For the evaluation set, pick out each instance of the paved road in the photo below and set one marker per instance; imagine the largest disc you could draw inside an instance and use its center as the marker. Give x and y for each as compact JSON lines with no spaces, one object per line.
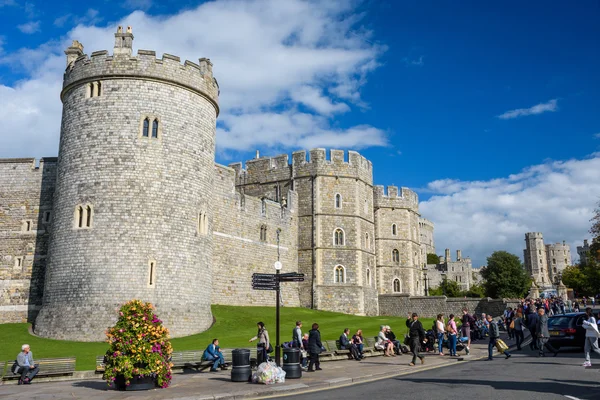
{"x":523,"y":376}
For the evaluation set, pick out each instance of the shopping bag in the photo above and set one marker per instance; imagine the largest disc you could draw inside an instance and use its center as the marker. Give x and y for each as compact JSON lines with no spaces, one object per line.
{"x":501,"y":346}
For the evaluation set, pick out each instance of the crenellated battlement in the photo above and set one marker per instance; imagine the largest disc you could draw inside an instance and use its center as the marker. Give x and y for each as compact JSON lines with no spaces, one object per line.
{"x":390,"y":197}
{"x":317,"y":162}
{"x":424,"y":222}
{"x":533,"y":235}
{"x":81,"y":69}
{"x":27,"y":163}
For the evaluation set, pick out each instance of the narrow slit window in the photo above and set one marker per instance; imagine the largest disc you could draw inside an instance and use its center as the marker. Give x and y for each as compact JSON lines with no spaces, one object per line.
{"x":394,"y":229}
{"x":27,"y":226}
{"x":395,"y":256}
{"x":88,"y":217}
{"x":151,"y":273}
{"x":155,"y":129}
{"x":338,"y":201}
{"x":146,"y":127}
{"x":396,"y":285}
{"x":80,"y":217}
{"x":99,"y":88}
{"x":18,"y":262}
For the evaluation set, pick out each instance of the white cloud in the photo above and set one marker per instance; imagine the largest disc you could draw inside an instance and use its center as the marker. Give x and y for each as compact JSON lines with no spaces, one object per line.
{"x":479,"y":217}
{"x":30,"y":27}
{"x":597,"y":135}
{"x":550,"y":106}
{"x":271,"y":58}
{"x":7,"y":3}
{"x":91,"y":17}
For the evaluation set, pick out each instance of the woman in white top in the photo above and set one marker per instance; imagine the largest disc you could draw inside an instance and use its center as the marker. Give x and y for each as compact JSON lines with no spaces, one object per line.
{"x":439,"y":324}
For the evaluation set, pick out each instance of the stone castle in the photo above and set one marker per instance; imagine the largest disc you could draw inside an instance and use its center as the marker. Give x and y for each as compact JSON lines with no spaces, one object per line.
{"x":136,"y":207}
{"x":544,"y":262}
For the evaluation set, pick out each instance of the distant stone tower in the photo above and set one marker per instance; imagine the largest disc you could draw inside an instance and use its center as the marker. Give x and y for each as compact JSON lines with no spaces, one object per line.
{"x":132,"y":201}
{"x":398,"y":241}
{"x":535,"y":259}
{"x":559,"y":258}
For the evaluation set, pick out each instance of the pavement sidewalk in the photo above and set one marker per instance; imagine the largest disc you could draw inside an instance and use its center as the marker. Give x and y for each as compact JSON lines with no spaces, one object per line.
{"x":217,"y":385}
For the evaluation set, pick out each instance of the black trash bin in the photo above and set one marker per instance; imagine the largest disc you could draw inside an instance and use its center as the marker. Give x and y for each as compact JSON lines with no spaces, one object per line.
{"x":291,"y":363}
{"x":240,"y":365}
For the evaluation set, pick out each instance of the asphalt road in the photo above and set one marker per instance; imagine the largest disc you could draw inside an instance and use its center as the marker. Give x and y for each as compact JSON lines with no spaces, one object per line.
{"x":523,"y":376}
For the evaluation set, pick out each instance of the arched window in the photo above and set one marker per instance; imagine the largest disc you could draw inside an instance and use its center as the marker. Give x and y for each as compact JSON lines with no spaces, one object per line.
{"x":396,"y":285}
{"x":99,"y":88}
{"x":88,"y":219}
{"x":146,"y":127}
{"x":395,"y":256}
{"x":368,"y":277}
{"x":394,"y":229}
{"x":338,"y":200}
{"x":79,"y":217}
{"x":155,"y":128}
{"x":263,"y":233}
{"x":338,"y":237}
{"x":263,"y":208}
{"x":339,"y":274}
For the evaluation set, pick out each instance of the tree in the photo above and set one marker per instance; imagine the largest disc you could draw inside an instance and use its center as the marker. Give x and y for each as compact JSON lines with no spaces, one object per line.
{"x":504,"y":276}
{"x":433,"y":258}
{"x":447,"y":288}
{"x":575,"y":278}
{"x":476,"y":291}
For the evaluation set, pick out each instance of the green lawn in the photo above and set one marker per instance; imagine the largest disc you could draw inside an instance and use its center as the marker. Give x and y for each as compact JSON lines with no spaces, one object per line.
{"x":233,"y":327}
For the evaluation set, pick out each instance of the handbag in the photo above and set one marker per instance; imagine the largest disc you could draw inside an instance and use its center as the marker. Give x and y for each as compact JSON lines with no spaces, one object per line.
{"x":270,"y":349}
{"x":512,"y":325}
{"x":15,"y":368}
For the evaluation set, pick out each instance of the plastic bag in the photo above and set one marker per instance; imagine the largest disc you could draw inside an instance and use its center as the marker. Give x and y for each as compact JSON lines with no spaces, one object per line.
{"x":268,"y":373}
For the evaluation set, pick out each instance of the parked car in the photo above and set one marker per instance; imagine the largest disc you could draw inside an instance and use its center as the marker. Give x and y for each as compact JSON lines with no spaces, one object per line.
{"x":566,"y":330}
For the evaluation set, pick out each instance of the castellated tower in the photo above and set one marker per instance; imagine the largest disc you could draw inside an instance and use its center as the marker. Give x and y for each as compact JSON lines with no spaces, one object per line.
{"x":132,"y":201}
{"x":397,"y":235}
{"x":535,"y":258}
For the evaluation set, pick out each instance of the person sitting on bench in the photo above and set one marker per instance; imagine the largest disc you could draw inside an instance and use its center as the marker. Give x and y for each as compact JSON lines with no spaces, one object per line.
{"x":345,"y":344}
{"x":213,"y":353}
{"x":25,"y":366}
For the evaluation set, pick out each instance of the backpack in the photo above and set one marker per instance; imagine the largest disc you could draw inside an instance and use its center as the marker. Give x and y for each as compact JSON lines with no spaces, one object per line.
{"x":434,"y":328}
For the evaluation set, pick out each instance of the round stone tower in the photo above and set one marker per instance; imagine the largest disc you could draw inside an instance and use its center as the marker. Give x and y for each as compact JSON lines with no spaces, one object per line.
{"x":132,"y":209}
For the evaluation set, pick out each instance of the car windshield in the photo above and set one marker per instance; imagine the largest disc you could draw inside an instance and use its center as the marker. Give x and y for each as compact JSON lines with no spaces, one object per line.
{"x":558,"y":321}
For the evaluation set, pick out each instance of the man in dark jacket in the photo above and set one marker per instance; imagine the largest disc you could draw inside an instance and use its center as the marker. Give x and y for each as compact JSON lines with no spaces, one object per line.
{"x":345,"y":344}
{"x":542,"y":333}
{"x":532,"y":319}
{"x":494,"y":336}
{"x":416,"y":334}
{"x":314,"y":348}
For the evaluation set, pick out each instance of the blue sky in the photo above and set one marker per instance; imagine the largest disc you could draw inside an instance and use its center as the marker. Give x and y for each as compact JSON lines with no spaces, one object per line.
{"x":488,"y":110}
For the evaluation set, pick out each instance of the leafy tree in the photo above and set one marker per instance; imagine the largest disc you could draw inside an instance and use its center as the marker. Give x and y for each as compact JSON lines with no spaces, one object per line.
{"x":433,"y":258}
{"x":595,"y":229}
{"x":476,"y":291}
{"x":447,"y":288}
{"x":504,"y":276}
{"x":575,"y":278}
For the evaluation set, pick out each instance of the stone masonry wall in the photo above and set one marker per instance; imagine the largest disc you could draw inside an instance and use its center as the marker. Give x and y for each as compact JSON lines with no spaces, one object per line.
{"x":239,"y":250}
{"x":25,"y":197}
{"x":429,"y":307}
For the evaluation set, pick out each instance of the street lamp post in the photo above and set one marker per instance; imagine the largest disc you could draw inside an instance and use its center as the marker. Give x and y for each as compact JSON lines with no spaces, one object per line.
{"x":425,"y":279}
{"x":277,"y":266}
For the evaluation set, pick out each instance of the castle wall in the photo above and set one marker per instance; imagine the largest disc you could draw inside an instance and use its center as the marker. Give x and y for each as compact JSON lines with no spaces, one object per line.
{"x":25,"y":196}
{"x":535,"y":258}
{"x":239,"y":250}
{"x":146,"y":195}
{"x":400,"y":305}
{"x":426,"y":229}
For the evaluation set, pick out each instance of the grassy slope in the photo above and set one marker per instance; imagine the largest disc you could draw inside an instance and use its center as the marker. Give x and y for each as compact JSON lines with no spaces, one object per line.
{"x":233,"y":327}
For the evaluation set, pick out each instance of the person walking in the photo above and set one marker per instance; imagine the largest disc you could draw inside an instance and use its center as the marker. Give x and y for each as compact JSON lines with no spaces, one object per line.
{"x":591,"y":337}
{"x":315,"y":347}
{"x":494,"y":336}
{"x":518,"y":329}
{"x":264,"y":345}
{"x":439,"y":325}
{"x":532,"y":319}
{"x":25,"y":366}
{"x":416,"y":333}
{"x":467,"y":321}
{"x":452,"y":334}
{"x":543,"y":334}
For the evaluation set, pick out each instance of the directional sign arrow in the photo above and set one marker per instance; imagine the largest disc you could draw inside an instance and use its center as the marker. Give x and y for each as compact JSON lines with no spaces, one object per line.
{"x":292,"y":279}
{"x":291,"y":274}
{"x":264,"y":288}
{"x":263,"y":275}
{"x":260,"y":279}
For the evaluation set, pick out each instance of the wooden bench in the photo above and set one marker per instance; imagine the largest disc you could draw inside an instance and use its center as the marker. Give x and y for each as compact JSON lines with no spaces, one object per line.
{"x":48,"y":367}
{"x":189,"y":359}
{"x":371,"y":345}
{"x":100,"y":366}
{"x":335,"y":344}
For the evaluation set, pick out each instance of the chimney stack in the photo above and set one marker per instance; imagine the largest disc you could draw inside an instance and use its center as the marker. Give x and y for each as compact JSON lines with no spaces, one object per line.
{"x":458,"y":255}
{"x":447,"y":256}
